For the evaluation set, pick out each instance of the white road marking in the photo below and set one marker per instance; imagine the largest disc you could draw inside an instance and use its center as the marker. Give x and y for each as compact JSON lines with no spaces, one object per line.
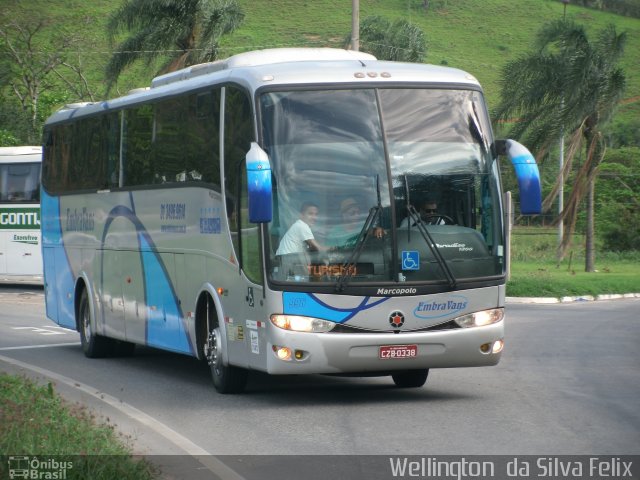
{"x":42,"y":331}
{"x":26,"y":347}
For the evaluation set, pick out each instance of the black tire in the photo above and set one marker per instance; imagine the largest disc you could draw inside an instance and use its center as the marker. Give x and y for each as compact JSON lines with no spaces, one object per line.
{"x":93,"y":345}
{"x":226,"y":378}
{"x":410,"y":378}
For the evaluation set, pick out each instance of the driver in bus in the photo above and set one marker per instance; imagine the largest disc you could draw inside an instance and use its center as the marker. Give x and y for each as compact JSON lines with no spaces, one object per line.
{"x":429,"y":215}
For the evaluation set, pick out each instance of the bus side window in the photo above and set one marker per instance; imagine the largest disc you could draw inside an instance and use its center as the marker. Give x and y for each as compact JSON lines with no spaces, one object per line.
{"x":111,"y":130}
{"x":56,"y":158}
{"x":238,"y":135}
{"x":169,"y":141}
{"x":138,"y":132}
{"x":202,"y":150}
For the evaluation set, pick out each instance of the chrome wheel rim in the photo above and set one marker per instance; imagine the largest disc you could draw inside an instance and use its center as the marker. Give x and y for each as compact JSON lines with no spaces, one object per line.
{"x":86,"y":324}
{"x":213,"y":352}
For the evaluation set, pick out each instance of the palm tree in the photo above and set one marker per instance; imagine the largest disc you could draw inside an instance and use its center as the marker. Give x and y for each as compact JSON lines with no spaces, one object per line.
{"x":187,"y":32}
{"x":398,"y":41}
{"x":573,"y":85}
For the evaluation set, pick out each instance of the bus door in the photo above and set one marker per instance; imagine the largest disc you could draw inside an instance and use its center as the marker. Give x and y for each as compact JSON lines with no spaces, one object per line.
{"x":111,"y":293}
{"x":133,"y":298}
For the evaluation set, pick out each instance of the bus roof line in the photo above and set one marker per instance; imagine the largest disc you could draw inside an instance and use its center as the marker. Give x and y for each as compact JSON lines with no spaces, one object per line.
{"x":262,"y":57}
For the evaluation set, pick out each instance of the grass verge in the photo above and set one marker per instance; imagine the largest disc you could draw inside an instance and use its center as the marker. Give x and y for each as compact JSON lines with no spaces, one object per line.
{"x":535,"y":272}
{"x":535,"y":279}
{"x":66,"y":439}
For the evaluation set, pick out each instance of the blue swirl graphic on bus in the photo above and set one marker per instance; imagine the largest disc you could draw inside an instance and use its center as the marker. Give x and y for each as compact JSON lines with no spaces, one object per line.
{"x":165,"y":325}
{"x":307,"y":304}
{"x":58,"y":277}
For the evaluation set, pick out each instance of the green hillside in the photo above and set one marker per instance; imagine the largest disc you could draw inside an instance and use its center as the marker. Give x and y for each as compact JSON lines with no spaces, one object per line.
{"x":479,"y":36}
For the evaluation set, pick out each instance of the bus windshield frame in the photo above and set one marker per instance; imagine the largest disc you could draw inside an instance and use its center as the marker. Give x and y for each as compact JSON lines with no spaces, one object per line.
{"x":364,"y":158}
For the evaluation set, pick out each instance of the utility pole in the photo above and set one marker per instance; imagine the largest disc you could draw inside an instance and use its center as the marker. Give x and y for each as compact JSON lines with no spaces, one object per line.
{"x":561,"y":165}
{"x":561,"y":192}
{"x":355,"y":25}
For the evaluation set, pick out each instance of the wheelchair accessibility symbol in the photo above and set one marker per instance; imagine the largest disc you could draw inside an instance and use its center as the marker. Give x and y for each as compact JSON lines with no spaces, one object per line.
{"x":410,"y":260}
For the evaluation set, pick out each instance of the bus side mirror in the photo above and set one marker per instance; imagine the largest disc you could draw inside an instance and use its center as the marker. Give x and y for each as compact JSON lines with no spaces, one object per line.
{"x":527,"y":174}
{"x":259,"y":184}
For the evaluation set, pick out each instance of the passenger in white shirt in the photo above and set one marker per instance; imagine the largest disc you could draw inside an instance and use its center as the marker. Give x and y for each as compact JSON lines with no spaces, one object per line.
{"x":299,"y":238}
{"x":294,"y":245}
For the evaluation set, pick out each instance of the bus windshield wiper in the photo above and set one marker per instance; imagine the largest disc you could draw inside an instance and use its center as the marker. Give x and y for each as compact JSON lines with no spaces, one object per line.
{"x":349,"y":266}
{"x":414,"y":219}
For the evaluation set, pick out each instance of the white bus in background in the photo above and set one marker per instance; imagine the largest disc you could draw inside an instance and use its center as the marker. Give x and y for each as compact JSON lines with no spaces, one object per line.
{"x":163,"y":212}
{"x":20,"y":248}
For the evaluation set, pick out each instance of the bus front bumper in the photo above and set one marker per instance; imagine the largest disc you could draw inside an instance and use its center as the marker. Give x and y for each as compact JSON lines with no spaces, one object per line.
{"x":310,"y":353}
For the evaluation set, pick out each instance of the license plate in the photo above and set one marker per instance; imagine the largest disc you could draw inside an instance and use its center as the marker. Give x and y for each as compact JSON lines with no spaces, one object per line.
{"x":391,"y":352}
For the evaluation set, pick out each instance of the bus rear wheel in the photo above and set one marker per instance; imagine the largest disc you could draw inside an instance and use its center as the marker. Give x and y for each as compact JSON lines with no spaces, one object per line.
{"x":93,"y":345}
{"x":410,"y":378}
{"x":226,"y":378}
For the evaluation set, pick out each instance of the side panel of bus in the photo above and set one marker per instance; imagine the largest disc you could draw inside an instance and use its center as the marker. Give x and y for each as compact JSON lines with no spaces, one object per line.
{"x":20,"y":240}
{"x":146,"y":256}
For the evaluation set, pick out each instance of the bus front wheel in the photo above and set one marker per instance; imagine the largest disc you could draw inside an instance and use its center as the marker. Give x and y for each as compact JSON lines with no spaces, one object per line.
{"x":410,"y":378}
{"x":226,"y":378}
{"x":93,"y":345}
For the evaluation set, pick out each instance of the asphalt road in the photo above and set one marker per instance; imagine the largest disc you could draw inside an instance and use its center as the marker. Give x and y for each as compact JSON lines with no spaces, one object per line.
{"x":568,"y":384}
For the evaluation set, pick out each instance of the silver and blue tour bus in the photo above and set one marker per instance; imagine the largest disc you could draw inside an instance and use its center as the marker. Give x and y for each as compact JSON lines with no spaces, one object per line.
{"x":265,"y":212}
{"x":20,"y":248}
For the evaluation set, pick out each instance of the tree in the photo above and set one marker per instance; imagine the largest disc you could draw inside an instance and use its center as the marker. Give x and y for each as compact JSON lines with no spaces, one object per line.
{"x":571,"y":85}
{"x":398,"y":41}
{"x":33,"y":63}
{"x":618,"y":209}
{"x":186,"y":32}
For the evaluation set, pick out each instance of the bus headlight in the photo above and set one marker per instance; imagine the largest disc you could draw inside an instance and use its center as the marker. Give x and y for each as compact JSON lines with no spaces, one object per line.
{"x":479,"y":319}
{"x":297,"y":323}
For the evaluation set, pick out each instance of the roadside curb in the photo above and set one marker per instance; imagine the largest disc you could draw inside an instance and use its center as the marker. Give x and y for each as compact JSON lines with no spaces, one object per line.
{"x":581,"y":298}
{"x":173,"y":454}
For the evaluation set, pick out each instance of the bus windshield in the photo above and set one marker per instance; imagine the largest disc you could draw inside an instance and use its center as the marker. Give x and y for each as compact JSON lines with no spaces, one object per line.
{"x":382,"y":185}
{"x":20,"y":182}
